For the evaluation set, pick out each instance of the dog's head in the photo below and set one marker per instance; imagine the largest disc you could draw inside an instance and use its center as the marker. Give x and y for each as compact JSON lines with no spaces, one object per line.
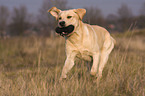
{"x":68,"y":20}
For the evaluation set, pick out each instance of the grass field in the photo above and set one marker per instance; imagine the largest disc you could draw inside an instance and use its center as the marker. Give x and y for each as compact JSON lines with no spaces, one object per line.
{"x":31,"y":66}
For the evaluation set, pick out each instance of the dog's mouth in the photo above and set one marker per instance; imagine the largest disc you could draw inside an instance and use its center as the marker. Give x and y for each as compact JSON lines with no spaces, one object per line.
{"x":65,"y":31}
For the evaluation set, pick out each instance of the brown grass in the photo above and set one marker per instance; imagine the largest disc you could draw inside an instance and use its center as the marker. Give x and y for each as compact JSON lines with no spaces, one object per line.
{"x":31,"y":66}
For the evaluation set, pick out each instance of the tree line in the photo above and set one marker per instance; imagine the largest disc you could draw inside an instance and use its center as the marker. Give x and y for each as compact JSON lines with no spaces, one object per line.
{"x":19,"y":22}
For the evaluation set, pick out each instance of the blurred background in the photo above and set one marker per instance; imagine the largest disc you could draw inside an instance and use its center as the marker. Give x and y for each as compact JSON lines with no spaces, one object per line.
{"x":32,"y":55}
{"x":30,"y":17}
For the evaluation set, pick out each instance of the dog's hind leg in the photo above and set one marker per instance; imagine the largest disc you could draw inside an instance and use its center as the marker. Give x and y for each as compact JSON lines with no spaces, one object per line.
{"x":104,"y":56}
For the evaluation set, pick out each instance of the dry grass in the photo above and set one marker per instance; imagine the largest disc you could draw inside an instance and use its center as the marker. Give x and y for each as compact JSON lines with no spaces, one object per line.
{"x":31,"y":66}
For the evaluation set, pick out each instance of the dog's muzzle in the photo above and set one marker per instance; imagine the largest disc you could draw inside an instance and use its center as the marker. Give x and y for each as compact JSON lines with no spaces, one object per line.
{"x":62,"y":23}
{"x":65,"y":31}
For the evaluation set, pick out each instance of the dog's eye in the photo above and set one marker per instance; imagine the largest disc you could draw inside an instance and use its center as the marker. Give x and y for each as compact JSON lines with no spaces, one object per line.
{"x":59,"y":18}
{"x":69,"y":17}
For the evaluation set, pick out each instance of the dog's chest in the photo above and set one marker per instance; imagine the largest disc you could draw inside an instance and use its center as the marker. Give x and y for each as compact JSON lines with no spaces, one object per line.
{"x":83,"y":50}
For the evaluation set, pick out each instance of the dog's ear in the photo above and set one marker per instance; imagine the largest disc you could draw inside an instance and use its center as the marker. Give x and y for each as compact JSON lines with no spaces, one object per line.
{"x":80,"y":12}
{"x":54,"y":12}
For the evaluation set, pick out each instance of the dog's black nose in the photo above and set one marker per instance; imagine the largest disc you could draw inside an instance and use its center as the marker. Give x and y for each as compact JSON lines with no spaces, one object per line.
{"x":62,"y":23}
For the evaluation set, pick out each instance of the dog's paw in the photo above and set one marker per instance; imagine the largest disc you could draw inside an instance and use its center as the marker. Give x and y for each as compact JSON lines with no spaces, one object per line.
{"x":93,"y":73}
{"x":61,"y":80}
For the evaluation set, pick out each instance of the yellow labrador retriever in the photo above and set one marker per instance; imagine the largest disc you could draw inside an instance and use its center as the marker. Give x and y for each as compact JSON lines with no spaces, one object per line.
{"x":89,"y":42}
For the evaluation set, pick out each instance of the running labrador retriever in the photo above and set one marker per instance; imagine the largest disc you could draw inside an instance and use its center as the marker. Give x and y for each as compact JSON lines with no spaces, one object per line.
{"x":89,"y":42}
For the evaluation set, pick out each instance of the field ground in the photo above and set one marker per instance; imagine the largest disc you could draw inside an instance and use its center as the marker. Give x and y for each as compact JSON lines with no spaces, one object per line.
{"x":31,"y":66}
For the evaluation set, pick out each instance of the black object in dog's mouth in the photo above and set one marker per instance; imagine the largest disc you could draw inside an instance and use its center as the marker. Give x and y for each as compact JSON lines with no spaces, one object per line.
{"x":65,"y":31}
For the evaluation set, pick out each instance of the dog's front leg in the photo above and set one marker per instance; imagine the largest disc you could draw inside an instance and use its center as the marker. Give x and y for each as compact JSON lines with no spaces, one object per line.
{"x":69,"y":63}
{"x":96,"y":58}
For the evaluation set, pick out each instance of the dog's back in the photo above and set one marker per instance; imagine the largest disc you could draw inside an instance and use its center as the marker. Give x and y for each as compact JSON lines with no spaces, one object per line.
{"x":100,"y":34}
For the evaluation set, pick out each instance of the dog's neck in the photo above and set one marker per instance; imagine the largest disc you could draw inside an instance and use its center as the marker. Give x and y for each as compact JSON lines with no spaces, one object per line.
{"x":77,"y":36}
